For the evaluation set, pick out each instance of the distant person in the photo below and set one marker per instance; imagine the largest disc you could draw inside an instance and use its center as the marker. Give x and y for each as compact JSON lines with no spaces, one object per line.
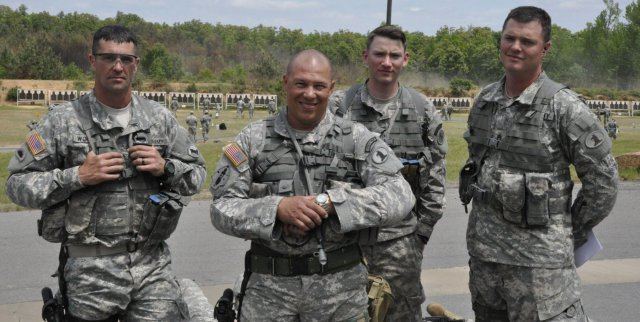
{"x":612,"y":129}
{"x":205,"y":122}
{"x":192,"y":123}
{"x":524,"y":132}
{"x":251,"y":107}
{"x":218,"y":107}
{"x":206,"y":103}
{"x":272,"y":106}
{"x":240,"y":109}
{"x":174,"y":106}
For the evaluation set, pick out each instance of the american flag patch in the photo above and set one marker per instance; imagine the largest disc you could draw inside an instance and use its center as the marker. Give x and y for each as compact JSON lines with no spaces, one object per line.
{"x":36,"y":144}
{"x":235,"y":154}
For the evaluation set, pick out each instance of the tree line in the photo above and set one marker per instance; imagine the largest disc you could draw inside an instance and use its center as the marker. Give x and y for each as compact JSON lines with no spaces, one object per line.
{"x":604,"y":57}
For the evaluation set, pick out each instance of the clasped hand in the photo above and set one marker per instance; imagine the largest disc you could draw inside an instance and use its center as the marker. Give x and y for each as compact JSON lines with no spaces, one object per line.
{"x":98,"y":168}
{"x":300,"y":214}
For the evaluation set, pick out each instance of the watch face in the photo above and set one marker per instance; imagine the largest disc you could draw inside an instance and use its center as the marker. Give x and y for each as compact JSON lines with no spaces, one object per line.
{"x":169,"y":167}
{"x":322,"y":199}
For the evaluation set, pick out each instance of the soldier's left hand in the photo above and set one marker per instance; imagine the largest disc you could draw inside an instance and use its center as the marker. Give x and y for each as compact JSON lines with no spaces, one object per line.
{"x":147,"y":159}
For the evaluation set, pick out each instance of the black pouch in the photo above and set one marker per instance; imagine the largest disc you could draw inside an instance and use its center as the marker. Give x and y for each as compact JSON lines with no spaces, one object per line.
{"x":161,"y":214}
{"x":51,"y":223}
{"x":467,"y":177}
{"x":537,"y":203}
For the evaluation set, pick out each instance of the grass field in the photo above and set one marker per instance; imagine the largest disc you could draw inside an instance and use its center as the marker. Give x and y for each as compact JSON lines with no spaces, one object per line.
{"x":13,"y":130}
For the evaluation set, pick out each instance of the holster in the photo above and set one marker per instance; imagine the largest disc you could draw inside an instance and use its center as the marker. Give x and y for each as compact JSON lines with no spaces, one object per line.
{"x":468,"y":176}
{"x":380,"y":297}
{"x":160,"y":219}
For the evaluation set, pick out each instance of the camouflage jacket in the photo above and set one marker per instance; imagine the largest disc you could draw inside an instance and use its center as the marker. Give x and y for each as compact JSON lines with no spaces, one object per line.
{"x":50,"y":176}
{"x":385,"y":198}
{"x":568,"y":134}
{"x":431,"y":176}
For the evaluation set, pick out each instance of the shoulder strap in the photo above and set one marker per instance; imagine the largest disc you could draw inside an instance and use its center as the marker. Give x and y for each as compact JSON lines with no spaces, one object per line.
{"x":546,"y":92}
{"x":86,"y":123}
{"x":348,"y":99}
{"x":418,"y":101}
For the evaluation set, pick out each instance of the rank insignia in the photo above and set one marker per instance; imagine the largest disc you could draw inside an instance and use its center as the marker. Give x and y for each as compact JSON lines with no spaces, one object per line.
{"x":36,"y":143}
{"x":237,"y":157}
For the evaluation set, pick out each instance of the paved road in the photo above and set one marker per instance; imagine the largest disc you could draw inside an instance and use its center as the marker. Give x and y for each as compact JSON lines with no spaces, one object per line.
{"x":611,"y":280}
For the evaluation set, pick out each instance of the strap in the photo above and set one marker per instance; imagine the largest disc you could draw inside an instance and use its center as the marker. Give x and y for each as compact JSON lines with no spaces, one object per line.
{"x":348,"y":99}
{"x":263,"y":260}
{"x":102,"y":250}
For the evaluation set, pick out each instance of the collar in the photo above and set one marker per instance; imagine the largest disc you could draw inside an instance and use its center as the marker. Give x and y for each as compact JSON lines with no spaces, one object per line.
{"x":384,"y":107}
{"x":314,"y":136}
{"x":496,"y":93}
{"x":140,"y":115}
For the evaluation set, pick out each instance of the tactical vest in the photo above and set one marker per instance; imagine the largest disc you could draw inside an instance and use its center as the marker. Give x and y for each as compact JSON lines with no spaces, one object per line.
{"x":522,"y":146}
{"x":112,"y":208}
{"x":405,"y":135}
{"x":277,"y":164}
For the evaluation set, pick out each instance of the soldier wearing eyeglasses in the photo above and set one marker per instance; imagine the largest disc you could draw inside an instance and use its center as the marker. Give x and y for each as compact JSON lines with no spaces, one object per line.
{"x":111,"y":171}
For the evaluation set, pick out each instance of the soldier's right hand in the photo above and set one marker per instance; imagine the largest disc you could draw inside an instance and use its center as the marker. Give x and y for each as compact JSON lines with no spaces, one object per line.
{"x":301,"y":212}
{"x":100,"y":168}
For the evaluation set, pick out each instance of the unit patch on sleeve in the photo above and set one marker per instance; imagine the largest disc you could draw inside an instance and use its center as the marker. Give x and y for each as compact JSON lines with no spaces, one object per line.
{"x":238,"y":158}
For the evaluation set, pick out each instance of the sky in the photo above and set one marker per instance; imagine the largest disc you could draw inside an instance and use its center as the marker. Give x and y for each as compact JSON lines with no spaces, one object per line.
{"x":361,"y":16}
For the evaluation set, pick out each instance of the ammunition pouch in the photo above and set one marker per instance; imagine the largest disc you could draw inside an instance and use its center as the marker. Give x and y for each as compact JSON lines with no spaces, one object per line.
{"x":380,"y":297}
{"x":410,"y":171}
{"x":160,"y":218}
{"x":51,"y":223}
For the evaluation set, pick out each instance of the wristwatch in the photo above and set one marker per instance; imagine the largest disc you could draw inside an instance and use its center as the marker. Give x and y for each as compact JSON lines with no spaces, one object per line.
{"x":169,"y":168}
{"x":323,"y":201}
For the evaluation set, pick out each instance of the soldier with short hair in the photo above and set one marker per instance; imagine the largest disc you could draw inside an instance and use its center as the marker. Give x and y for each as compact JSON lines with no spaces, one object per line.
{"x":306,"y":187}
{"x":524,"y":132}
{"x":105,"y":169}
{"x":408,"y":122}
{"x":192,"y":125}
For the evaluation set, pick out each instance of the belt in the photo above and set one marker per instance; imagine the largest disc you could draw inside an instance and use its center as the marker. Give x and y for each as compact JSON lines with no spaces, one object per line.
{"x":261,"y":260}
{"x":102,"y":250}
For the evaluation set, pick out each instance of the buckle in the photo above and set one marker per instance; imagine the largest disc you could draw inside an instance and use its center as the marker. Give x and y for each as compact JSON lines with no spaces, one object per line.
{"x":493,"y":142}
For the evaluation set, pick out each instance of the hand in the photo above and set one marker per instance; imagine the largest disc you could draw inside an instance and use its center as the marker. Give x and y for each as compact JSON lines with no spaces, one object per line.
{"x":100,"y":168}
{"x":301,"y":212}
{"x":147,"y":159}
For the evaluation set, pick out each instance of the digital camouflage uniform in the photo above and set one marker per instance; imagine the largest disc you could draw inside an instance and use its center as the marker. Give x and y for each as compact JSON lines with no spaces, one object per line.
{"x":192,"y":124}
{"x":205,"y":121}
{"x":357,"y":171}
{"x":136,"y":285}
{"x":206,"y":103}
{"x":523,"y":227}
{"x":174,"y":106}
{"x":410,"y":126}
{"x":272,"y":107}
{"x":240,"y":108}
{"x":251,"y":107}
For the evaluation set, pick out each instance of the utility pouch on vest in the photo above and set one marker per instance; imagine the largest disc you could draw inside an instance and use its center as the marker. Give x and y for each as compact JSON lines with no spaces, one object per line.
{"x":537,"y":203}
{"x":467,"y":178}
{"x":511,"y":195}
{"x":161,"y":214}
{"x":80,"y":211}
{"x":380,"y":297}
{"x":51,"y":223}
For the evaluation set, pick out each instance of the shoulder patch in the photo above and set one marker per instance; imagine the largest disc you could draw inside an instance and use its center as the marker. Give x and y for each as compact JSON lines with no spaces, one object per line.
{"x":367,"y":147}
{"x":193,"y":151}
{"x":440,"y":138}
{"x":36,"y":143}
{"x":221,"y":177}
{"x":594,"y":139}
{"x":380,"y":155}
{"x":236,"y":155}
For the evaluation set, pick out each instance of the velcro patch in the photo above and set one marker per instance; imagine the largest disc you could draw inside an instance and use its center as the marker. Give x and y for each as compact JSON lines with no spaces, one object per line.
{"x":237,"y":157}
{"x":367,"y":147}
{"x":36,"y":143}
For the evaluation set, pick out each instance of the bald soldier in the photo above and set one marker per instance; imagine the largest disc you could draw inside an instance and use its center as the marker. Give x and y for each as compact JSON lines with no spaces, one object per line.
{"x":305,"y":187}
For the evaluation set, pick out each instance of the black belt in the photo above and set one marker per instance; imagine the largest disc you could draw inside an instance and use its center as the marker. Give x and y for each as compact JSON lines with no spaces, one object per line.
{"x":263,"y":260}
{"x":96,"y":250}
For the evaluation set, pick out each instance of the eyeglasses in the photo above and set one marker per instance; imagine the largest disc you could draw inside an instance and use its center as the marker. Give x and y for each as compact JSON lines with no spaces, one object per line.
{"x":110,"y":58}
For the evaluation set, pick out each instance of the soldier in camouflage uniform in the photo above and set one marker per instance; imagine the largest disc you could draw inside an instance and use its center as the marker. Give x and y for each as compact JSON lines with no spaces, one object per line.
{"x":408,"y":122}
{"x":524,"y":132}
{"x":91,"y":165}
{"x":174,"y":105}
{"x":240,"y":108}
{"x":205,"y":122}
{"x":251,"y":106}
{"x":192,"y":124}
{"x":272,"y":106}
{"x":323,"y":191}
{"x":206,"y":103}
